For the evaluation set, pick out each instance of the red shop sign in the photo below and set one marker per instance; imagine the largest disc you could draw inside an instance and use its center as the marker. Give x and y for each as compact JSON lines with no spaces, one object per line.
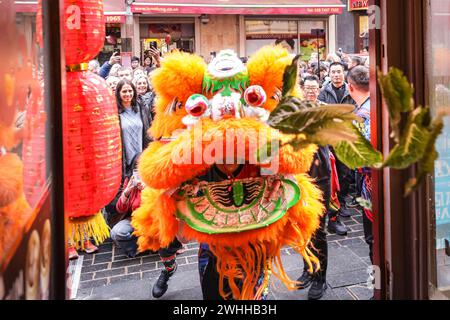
{"x":358,"y":5}
{"x":114,"y":19}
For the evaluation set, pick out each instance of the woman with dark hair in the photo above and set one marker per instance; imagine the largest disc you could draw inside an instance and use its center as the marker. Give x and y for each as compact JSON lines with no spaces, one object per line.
{"x":148,"y":65}
{"x":135,"y":119}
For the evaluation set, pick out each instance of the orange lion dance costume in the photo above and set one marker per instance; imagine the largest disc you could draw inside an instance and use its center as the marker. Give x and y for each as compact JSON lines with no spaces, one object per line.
{"x":211,"y":118}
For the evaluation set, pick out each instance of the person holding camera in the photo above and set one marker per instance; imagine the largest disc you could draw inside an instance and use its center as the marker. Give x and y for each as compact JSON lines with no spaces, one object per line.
{"x":106,"y":67}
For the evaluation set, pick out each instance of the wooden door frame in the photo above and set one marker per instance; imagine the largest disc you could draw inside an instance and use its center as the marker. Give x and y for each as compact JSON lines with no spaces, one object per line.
{"x":400,"y":227}
{"x":54,"y":63}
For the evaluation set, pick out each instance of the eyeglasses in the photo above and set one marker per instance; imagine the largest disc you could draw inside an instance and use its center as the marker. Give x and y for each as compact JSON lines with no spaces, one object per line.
{"x":310,"y":88}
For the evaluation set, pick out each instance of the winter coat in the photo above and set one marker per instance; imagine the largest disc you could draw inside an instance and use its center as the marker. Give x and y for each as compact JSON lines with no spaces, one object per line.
{"x":104,"y":70}
{"x":147,"y":101}
{"x":328,"y":96}
{"x":320,"y":171}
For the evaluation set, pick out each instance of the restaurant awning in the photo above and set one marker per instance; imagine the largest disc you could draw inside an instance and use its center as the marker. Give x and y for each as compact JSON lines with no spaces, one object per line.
{"x":247,"y":7}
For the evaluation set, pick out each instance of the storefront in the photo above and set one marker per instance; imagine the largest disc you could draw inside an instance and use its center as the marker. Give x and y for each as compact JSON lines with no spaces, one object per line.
{"x":361,"y":21}
{"x":206,"y":27}
{"x":301,"y":31}
{"x":413,"y":233}
{"x":115,"y":20}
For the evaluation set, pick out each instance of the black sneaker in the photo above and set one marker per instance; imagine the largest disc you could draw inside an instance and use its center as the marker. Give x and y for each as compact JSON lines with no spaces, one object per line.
{"x":317,"y":289}
{"x":336,"y":226}
{"x":305,"y":280}
{"x":160,"y":287}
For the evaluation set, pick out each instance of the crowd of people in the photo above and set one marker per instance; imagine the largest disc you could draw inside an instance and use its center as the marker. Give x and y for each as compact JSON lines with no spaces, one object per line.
{"x":339,"y":79}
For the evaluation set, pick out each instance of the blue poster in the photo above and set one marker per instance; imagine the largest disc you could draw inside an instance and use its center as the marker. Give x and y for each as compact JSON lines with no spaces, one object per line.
{"x":442,"y":186}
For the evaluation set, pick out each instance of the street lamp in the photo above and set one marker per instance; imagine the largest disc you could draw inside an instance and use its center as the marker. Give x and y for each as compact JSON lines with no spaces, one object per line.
{"x":319,"y":34}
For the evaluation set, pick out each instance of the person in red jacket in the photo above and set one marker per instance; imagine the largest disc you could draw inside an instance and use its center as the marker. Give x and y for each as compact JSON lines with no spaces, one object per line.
{"x":129,"y":200}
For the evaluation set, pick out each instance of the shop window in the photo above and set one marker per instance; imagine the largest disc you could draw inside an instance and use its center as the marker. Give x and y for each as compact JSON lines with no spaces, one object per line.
{"x":112,"y":41}
{"x":167,"y":37}
{"x":363,"y":34}
{"x":301,"y":33}
{"x":438,"y":70}
{"x":265,"y":32}
{"x":312,"y":43}
{"x":25,"y":228}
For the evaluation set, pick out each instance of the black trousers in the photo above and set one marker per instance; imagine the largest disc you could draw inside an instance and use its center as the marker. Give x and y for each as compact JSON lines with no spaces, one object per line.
{"x":320,"y":249}
{"x":319,"y":241}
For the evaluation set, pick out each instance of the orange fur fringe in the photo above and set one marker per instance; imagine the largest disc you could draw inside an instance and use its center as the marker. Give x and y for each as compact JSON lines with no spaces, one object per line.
{"x":241,"y":256}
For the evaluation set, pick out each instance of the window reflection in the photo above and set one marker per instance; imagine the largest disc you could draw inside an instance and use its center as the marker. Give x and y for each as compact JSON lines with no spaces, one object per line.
{"x":439,"y":79}
{"x":25,"y":230}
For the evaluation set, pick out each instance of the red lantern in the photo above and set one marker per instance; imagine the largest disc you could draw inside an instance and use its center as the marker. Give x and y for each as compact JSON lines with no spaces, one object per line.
{"x":92,"y":145}
{"x":84,"y":30}
{"x":168,"y":39}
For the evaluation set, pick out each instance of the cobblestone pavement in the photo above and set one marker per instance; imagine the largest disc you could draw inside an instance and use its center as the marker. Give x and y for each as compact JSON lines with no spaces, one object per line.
{"x":109,"y":274}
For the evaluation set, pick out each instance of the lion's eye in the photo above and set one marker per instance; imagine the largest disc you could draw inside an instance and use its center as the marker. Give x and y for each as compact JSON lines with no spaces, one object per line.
{"x":255,"y":96}
{"x":196,"y":105}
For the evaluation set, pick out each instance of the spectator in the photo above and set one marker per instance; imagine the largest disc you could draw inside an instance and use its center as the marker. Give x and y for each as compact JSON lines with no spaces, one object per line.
{"x":94,"y":66}
{"x":148,"y":64}
{"x":114,"y":70}
{"x":156,"y":55}
{"x":134,"y":122}
{"x":358,"y":79}
{"x":144,"y":91}
{"x":135,"y":62}
{"x":125,"y":73}
{"x":321,"y":172}
{"x":337,"y":92}
{"x":106,"y":67}
{"x":324,"y":78}
{"x":138,"y":72}
{"x":355,"y":61}
{"x":112,"y":82}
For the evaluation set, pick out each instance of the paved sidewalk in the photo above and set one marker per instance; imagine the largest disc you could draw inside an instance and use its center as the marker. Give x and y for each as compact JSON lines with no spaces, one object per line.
{"x":110,"y":275}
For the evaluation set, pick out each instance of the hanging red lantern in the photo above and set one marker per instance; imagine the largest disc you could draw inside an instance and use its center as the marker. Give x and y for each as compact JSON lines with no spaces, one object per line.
{"x":92,"y":145}
{"x":84,"y":30}
{"x":168,"y":39}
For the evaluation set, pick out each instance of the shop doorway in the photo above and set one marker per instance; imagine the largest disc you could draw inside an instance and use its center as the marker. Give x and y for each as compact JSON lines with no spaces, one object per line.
{"x":167,"y":37}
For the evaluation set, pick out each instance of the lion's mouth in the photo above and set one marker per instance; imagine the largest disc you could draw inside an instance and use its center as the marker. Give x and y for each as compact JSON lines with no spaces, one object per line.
{"x":236,"y":205}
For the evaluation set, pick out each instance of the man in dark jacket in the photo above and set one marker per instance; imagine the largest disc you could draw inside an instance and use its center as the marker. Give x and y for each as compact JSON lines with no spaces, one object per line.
{"x":337,"y":92}
{"x":320,"y":171}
